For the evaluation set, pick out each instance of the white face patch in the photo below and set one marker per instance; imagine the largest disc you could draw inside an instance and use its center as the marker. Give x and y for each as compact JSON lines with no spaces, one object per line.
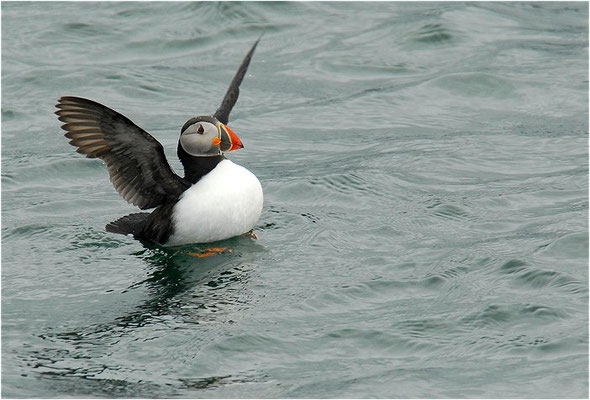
{"x":197,"y":139}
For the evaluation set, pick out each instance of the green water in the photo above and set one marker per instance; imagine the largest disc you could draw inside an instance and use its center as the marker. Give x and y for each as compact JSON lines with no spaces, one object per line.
{"x":425,"y":226}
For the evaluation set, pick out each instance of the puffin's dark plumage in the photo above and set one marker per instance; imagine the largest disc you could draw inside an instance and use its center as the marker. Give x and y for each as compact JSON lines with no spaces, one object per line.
{"x":231,"y":96}
{"x":131,"y":224}
{"x":136,"y":162}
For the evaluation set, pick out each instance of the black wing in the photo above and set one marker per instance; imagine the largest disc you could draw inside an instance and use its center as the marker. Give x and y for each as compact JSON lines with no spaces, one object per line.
{"x":231,"y":96}
{"x":135,"y":160}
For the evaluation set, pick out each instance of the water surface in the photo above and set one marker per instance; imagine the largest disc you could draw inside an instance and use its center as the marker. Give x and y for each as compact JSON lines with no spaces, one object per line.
{"x":425,"y":227}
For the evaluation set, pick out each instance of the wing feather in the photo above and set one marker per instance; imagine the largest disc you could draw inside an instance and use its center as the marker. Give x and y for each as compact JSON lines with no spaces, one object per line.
{"x":231,"y":96}
{"x":135,"y":160}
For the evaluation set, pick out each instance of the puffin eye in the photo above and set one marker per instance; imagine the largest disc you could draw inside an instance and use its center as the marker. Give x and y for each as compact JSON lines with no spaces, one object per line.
{"x":201,"y":130}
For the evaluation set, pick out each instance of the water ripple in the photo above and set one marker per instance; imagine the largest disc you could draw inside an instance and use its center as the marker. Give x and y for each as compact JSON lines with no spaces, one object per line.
{"x":425,"y":226}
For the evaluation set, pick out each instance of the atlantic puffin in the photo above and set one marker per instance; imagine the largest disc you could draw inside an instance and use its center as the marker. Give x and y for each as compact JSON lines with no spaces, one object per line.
{"x":215,"y":200}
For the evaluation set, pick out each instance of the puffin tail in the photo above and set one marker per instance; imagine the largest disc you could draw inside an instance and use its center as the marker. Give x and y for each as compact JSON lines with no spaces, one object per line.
{"x":129,"y":224}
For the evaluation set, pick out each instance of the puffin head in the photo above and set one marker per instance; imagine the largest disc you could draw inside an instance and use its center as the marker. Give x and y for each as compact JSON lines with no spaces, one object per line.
{"x":206,"y":136}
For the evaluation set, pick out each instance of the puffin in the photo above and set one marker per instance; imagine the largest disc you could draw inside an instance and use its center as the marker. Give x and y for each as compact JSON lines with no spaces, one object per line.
{"x":215,"y":200}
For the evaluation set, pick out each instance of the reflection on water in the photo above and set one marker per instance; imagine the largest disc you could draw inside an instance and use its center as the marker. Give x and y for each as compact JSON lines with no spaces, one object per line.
{"x":182,"y":291}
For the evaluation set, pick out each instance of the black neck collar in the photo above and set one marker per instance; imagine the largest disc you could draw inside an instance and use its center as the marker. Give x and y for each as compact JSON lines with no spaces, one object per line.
{"x":197,"y":167}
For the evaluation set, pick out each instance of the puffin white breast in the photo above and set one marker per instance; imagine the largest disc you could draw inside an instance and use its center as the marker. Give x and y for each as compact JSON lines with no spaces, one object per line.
{"x":224,"y":203}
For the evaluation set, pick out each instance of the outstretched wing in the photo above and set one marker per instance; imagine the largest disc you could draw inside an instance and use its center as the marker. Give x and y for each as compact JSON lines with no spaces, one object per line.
{"x":136,"y":162}
{"x":231,"y":96}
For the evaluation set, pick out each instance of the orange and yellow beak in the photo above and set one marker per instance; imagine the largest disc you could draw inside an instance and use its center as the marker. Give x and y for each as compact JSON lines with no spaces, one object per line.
{"x":229,"y":141}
